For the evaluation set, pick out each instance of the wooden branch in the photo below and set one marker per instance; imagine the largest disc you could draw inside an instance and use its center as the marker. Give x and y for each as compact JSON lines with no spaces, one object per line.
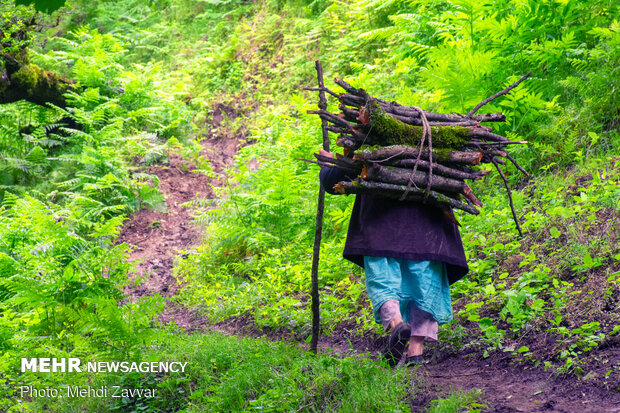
{"x":498,"y":160}
{"x":324,"y":89}
{"x":395,"y":192}
{"x":335,"y":119}
{"x":511,"y":159}
{"x":314,"y":272}
{"x":496,"y":144}
{"x":479,"y":133}
{"x":403,"y":152}
{"x":350,"y":100}
{"x":342,"y":162}
{"x":438,"y":168}
{"x":349,"y":114}
{"x":495,"y":152}
{"x":507,"y":185}
{"x":498,"y":94}
{"x":470,"y":197}
{"x":347,"y":142}
{"x":400,"y":176}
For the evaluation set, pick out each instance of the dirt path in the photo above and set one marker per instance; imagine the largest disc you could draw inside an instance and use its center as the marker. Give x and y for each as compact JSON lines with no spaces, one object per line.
{"x":158,"y":238}
{"x":512,"y":388}
{"x":507,"y":387}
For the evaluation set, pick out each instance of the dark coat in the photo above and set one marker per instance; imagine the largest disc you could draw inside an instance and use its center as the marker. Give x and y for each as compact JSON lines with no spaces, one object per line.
{"x":382,"y":227}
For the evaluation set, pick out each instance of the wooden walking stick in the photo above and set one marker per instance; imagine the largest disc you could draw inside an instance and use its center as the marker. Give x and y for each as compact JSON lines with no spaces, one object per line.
{"x":316,"y":324}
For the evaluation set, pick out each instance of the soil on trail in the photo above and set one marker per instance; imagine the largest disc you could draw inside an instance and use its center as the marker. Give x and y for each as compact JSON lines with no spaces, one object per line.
{"x":508,"y":388}
{"x":158,"y":237}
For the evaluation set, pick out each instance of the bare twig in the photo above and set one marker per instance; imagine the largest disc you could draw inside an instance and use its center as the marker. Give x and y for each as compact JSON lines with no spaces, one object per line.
{"x":512,"y":207}
{"x":511,"y":159}
{"x":316,"y":89}
{"x":498,"y":94}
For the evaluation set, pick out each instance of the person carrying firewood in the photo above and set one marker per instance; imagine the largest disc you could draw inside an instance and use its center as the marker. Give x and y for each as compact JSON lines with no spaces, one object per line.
{"x":411,"y":252}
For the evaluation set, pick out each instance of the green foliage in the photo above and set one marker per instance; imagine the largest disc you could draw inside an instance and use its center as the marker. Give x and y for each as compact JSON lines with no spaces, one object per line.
{"x":459,"y":402}
{"x":60,"y":291}
{"x":14,"y":30}
{"x":66,"y":185}
{"x":534,"y":284}
{"x":444,"y":56}
{"x":46,"y":6}
{"x":151,"y":68}
{"x":263,"y":240}
{"x":241,"y":374}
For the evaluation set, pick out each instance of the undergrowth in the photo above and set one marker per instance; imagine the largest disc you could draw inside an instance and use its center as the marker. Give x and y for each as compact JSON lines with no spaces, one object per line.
{"x":148,"y":72}
{"x":236,"y":374}
{"x":67,"y":183}
{"x":444,"y":56}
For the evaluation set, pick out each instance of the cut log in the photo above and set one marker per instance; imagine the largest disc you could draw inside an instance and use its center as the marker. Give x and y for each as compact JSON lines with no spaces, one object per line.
{"x":396,"y":191}
{"x":439,"y":169}
{"x":401,"y":176}
{"x":403,"y":152}
{"x":32,"y":83}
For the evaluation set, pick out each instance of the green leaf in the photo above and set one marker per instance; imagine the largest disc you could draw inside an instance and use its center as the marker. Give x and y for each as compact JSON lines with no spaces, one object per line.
{"x":587,"y":261}
{"x":489,"y":289}
{"x":594,"y":137}
{"x":36,"y":155}
{"x":45,"y":6}
{"x":554,"y":232}
{"x":485,"y":323}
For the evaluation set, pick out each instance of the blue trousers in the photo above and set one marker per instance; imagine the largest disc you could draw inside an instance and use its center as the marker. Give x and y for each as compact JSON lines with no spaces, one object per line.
{"x":423,"y":283}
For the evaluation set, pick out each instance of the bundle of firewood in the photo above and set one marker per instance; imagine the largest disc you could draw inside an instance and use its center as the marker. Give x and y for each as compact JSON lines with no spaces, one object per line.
{"x":406,"y":153}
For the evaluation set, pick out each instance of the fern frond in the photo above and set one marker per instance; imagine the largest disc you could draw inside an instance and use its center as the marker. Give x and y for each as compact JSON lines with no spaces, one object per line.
{"x":382,"y":34}
{"x":203,"y":202}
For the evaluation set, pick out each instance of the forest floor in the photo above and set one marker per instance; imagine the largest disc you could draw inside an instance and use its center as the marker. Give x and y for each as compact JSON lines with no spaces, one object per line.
{"x":506,"y":386}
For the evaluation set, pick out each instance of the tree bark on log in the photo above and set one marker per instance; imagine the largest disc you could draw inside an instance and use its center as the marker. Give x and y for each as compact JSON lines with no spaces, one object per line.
{"x":19,"y":81}
{"x":403,"y":152}
{"x":440,"y":169}
{"x":400,"y":176}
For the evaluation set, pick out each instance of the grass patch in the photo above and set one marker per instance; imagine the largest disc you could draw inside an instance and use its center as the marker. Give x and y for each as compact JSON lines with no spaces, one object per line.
{"x":242,"y":374}
{"x":458,"y":401}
